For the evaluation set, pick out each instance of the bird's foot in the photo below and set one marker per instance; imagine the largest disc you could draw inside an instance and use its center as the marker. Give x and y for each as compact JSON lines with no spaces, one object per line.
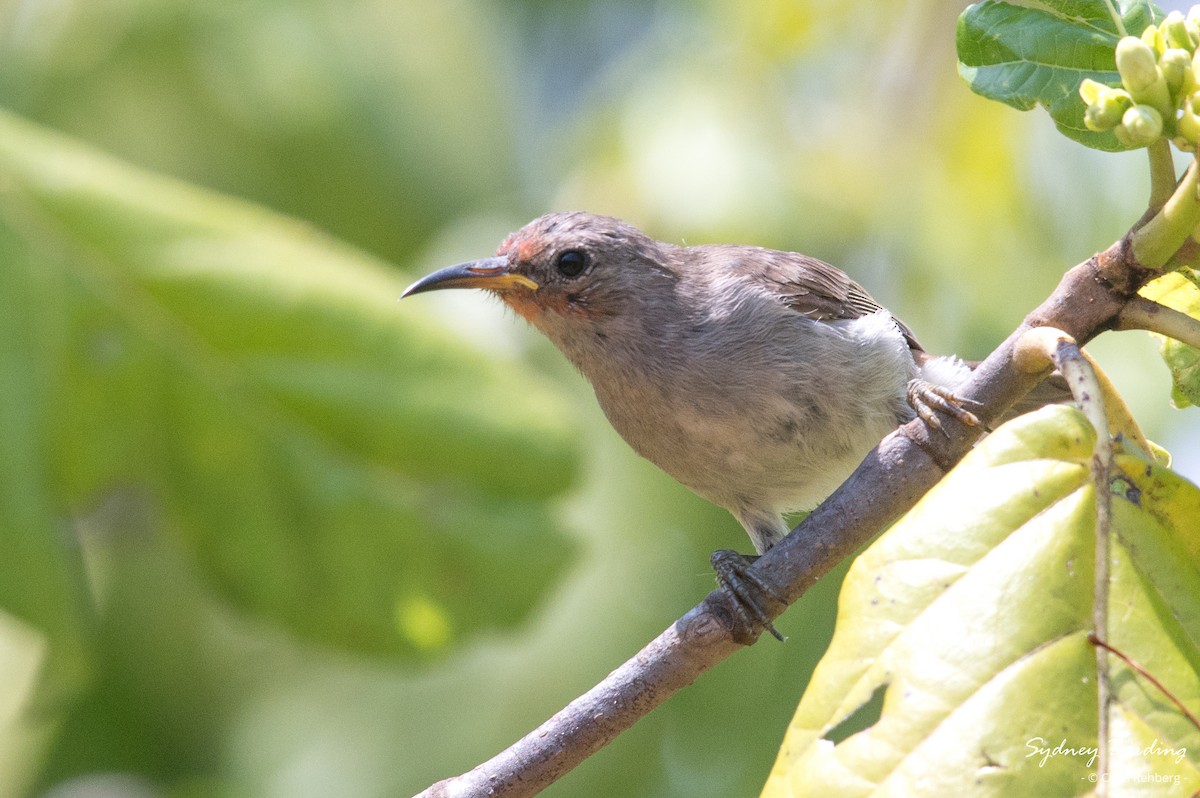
{"x":928,"y":400}
{"x":747,"y":592}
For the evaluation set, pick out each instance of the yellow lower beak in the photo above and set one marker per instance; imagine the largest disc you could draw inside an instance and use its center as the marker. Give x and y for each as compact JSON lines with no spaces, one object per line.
{"x":493,"y":273}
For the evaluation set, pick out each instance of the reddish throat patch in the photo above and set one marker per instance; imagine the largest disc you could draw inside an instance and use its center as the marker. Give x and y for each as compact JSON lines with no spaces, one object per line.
{"x":523,"y":302}
{"x":531,"y":304}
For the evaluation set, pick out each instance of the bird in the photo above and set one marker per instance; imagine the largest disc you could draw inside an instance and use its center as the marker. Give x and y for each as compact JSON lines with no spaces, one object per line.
{"x":757,"y":378}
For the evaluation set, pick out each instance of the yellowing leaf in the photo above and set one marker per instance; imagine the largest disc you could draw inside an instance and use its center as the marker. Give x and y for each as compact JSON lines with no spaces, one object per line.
{"x":1177,"y":291}
{"x":972,"y":616}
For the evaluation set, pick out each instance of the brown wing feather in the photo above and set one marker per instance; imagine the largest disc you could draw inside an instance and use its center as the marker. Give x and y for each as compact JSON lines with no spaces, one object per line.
{"x":807,"y":285}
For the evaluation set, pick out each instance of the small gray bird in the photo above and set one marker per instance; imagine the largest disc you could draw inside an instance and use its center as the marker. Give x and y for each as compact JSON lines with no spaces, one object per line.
{"x":757,"y":378}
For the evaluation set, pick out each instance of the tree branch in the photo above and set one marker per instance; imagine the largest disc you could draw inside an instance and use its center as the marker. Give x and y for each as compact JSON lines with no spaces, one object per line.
{"x":889,"y":481}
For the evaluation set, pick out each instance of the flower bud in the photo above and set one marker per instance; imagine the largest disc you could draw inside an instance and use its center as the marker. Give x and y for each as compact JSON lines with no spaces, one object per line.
{"x":1154,"y":39}
{"x":1143,"y":125}
{"x":1136,"y":62}
{"x":1090,"y":90}
{"x":1176,"y":66}
{"x":1188,"y":123}
{"x":1188,"y":126}
{"x":1175,"y":31}
{"x":1142,"y":76}
{"x":1108,"y":109}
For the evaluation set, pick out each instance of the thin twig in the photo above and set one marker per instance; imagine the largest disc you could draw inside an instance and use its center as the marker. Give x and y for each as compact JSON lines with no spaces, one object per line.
{"x":1161,"y":237}
{"x":1162,"y":173}
{"x":1089,"y":389}
{"x":1146,"y":314}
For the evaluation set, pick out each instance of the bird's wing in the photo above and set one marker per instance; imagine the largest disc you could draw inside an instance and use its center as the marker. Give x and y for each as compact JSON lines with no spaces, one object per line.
{"x":809,"y":286}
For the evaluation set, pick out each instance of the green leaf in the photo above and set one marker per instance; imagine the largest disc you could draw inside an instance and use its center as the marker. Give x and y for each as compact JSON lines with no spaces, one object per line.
{"x":1181,"y":291}
{"x":972,"y":616}
{"x":333,"y":461}
{"x":1038,"y":54}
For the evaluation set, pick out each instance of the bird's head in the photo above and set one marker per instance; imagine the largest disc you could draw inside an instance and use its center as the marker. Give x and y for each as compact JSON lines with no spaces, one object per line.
{"x":564,"y":269}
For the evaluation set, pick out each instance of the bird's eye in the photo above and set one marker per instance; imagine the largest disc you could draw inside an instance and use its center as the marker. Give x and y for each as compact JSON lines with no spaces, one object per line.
{"x":571,"y":263}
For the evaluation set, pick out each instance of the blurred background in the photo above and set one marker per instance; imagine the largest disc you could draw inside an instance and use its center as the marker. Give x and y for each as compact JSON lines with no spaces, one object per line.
{"x":267,"y":533}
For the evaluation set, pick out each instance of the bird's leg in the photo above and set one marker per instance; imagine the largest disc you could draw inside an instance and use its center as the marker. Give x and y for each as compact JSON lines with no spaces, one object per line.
{"x":928,"y":399}
{"x":746,"y":591}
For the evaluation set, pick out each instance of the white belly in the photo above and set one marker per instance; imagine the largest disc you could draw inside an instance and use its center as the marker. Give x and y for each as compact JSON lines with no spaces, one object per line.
{"x":780,"y":433}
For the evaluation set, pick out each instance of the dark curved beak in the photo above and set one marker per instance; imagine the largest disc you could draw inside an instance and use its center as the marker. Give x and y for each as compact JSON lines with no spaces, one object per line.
{"x":493,"y":273}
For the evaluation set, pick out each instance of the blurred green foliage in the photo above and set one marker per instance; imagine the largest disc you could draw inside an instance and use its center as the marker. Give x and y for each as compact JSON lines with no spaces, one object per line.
{"x":267,"y":533}
{"x":254,"y":387}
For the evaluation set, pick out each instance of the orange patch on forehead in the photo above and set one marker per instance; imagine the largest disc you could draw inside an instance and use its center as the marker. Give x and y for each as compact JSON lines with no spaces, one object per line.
{"x":526,"y":248}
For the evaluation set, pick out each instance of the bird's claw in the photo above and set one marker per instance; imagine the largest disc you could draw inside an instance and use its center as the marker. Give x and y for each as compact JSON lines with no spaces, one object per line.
{"x":746,"y":591}
{"x":928,"y":400}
